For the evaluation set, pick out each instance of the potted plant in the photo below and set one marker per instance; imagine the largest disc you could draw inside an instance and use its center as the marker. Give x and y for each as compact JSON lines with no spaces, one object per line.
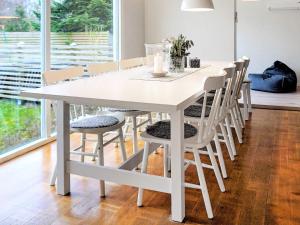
{"x":179,"y":52}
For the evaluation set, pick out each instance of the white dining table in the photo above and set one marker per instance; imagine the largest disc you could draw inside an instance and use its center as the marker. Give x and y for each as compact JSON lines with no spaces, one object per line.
{"x":120,"y":90}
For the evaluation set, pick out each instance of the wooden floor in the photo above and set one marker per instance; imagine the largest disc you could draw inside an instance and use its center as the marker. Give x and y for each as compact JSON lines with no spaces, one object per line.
{"x":263,"y":188}
{"x":286,"y":101}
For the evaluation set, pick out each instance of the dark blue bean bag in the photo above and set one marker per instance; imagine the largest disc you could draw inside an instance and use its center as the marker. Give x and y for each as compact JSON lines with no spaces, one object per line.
{"x":278,"y":78}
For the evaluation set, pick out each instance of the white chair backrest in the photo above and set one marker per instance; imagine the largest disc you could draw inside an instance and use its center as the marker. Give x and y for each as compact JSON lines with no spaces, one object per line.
{"x":239,"y":78}
{"x":131,"y":63}
{"x":98,"y":68}
{"x":55,"y":76}
{"x":207,"y":125}
{"x":246,"y":65}
{"x":230,"y":75}
{"x":247,"y":61}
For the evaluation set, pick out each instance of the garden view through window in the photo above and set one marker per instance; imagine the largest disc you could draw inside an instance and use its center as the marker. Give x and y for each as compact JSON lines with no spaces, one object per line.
{"x":81,"y":33}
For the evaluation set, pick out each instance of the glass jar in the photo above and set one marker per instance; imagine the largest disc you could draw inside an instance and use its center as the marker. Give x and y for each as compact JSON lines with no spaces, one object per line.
{"x":177,"y":64}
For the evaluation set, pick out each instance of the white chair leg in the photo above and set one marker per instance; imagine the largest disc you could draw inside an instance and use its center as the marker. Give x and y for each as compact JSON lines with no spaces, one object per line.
{"x":53,"y":176}
{"x":166,"y":160}
{"x":126,"y":127}
{"x":125,"y":130}
{"x":150,"y":119}
{"x":226,"y":139}
{"x":134,"y":135}
{"x":249,"y":101}
{"x":83,"y":143}
{"x":203,"y":185}
{"x":215,"y":167}
{"x":122,"y":145}
{"x":239,"y":115}
{"x":230,"y":136}
{"x":167,"y":149}
{"x":220,"y":156}
{"x":236,"y":126}
{"x":143,"y":170}
{"x":139,"y":121}
{"x":158,"y":116}
{"x":150,"y":123}
{"x":82,"y":110}
{"x":101,"y":162}
{"x":245,"y":101}
{"x":95,"y":152}
{"x":75,"y":111}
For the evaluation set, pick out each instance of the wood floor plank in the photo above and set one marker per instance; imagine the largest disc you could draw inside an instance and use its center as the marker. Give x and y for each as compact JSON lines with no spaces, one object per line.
{"x":263,"y":185}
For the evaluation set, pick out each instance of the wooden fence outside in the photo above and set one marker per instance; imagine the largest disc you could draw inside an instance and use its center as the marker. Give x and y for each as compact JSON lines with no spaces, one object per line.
{"x":20,"y":56}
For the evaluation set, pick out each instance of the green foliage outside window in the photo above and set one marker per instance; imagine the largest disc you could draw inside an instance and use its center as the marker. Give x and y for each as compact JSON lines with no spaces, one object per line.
{"x":67,"y":16}
{"x":22,"y":24}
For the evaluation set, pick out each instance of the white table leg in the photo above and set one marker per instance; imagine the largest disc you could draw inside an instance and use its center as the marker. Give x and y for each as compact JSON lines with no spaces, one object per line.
{"x":63,"y":147}
{"x":177,"y":167}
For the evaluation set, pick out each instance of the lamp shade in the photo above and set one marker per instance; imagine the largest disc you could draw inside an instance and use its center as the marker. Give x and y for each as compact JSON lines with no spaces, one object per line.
{"x":197,"y":5}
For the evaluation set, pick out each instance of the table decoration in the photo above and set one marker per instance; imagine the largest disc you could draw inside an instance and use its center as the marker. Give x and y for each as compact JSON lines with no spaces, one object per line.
{"x":178,"y":52}
{"x":195,"y":63}
{"x":163,"y":49}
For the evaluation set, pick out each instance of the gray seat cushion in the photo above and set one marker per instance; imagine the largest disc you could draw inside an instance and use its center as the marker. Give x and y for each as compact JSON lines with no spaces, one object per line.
{"x":121,"y":110}
{"x":196,"y":111}
{"x":95,"y":122}
{"x":162,"y":129}
{"x":209,"y":100}
{"x":223,"y":91}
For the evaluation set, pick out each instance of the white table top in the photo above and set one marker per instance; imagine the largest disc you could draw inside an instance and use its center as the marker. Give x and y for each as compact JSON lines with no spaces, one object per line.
{"x":118,"y":90}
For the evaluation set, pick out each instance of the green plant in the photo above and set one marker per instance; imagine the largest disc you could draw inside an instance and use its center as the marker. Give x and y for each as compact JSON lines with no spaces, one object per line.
{"x":79,"y":16}
{"x":18,"y":123}
{"x":180,"y":47}
{"x":67,"y":16}
{"x":21,"y":24}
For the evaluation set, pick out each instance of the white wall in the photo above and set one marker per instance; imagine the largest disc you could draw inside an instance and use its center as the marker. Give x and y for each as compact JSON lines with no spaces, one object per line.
{"x":268,"y":36}
{"x":212,"y":32}
{"x":132,"y":28}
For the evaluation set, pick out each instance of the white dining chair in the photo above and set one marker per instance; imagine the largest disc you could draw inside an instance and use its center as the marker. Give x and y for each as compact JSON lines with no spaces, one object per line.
{"x":237,"y":121}
{"x":98,"y":124}
{"x":135,"y":119}
{"x":197,"y":137}
{"x":95,"y":69}
{"x":234,"y":118}
{"x":193,"y":114}
{"x":71,"y":73}
{"x":246,"y":91}
{"x":131,"y":63}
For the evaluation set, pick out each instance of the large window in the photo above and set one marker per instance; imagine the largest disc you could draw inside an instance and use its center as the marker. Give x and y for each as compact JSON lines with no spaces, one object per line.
{"x":20,"y":68}
{"x":81,"y":33}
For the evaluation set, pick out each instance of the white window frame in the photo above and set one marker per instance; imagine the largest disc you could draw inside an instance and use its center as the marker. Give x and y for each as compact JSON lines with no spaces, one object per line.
{"x":45,"y":45}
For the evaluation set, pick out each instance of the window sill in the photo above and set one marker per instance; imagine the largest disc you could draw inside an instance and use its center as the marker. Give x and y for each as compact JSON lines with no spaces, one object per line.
{"x":25,"y":149}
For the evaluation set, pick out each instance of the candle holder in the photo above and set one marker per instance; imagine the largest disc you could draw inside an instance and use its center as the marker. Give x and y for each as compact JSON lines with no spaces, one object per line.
{"x":162,"y":49}
{"x":195,"y":63}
